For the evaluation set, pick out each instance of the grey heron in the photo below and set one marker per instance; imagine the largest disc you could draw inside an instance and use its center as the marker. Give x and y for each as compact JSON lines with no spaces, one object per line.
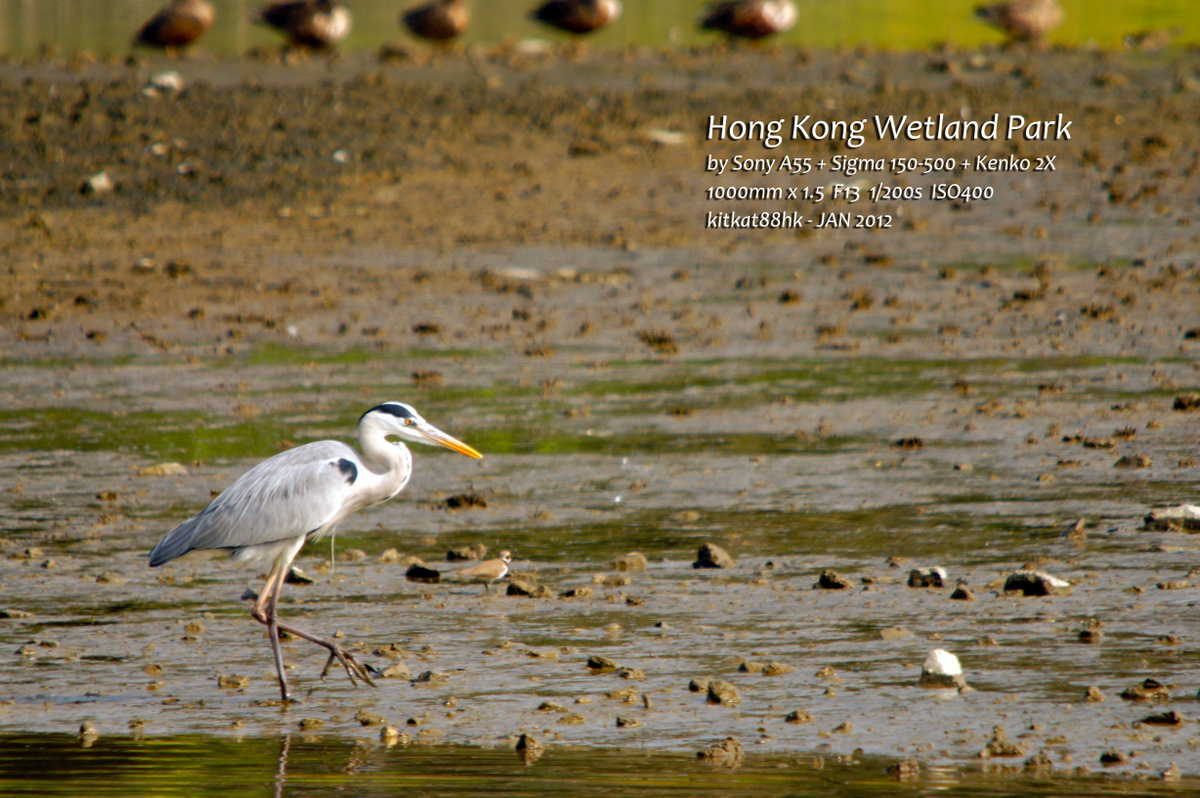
{"x":301,"y":494}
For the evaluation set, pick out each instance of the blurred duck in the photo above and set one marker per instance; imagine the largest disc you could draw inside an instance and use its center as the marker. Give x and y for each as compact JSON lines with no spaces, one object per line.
{"x":578,"y":16}
{"x":178,"y":24}
{"x":1023,"y":20}
{"x":439,"y":20}
{"x":750,"y":19}
{"x":315,"y":24}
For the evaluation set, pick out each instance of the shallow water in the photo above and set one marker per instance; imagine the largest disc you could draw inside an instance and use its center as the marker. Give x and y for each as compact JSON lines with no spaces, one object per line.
{"x":105,"y":28}
{"x":312,"y":765}
{"x":790,"y":463}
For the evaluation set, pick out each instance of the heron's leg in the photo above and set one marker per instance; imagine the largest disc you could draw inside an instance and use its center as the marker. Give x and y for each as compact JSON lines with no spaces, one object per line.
{"x":264,"y":611}
{"x":353,"y":668}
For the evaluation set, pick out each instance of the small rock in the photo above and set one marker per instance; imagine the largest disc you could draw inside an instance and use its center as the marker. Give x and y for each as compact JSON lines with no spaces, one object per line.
{"x":88,"y":731}
{"x":1094,"y":694}
{"x":297,"y":577}
{"x":431,"y":678}
{"x":999,"y":745}
{"x":833,"y":581}
{"x":522,"y":586}
{"x":310,"y":724}
{"x":927,"y":577}
{"x":941,"y":669}
{"x":631,"y":673}
{"x":599,"y":664}
{"x":529,"y":749}
{"x":894,"y":633}
{"x":572,"y":719}
{"x":749,"y":666}
{"x":962,"y":593}
{"x":1039,"y":763}
{"x":1186,"y":402}
{"x":390,"y":735}
{"x":476,"y":551}
{"x":797,"y":716}
{"x":845,"y":727}
{"x":1113,"y":757}
{"x":396,"y":670}
{"x":777,"y":669}
{"x":169,"y":81}
{"x":390,"y":556}
{"x":727,"y":753}
{"x":904,"y":770}
{"x":418,"y":572}
{"x":722,"y":692}
{"x":627,"y":723}
{"x":576,"y":593}
{"x":633,"y":561}
{"x":163,"y":470}
{"x":711,"y":555}
{"x":10,"y":613}
{"x":1172,"y":773}
{"x":369,"y":718}
{"x":232,"y":682}
{"x":1036,"y":583}
{"x":1183,"y":518}
{"x":1090,"y":635}
{"x":1076,"y":530}
{"x":1133,"y":461}
{"x":1169,"y":718}
{"x":464,"y":501}
{"x":1148,"y":690}
{"x":612,"y":580}
{"x":699,"y":685}
{"x":97,"y":185}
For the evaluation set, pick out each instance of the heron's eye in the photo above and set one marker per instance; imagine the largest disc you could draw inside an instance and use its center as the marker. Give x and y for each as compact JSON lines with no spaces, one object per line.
{"x":408,"y":422}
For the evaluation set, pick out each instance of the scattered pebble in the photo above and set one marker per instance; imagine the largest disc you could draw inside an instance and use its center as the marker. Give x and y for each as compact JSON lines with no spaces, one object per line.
{"x":633,"y":561}
{"x":529,"y":749}
{"x":98,"y":185}
{"x":1183,"y":518}
{"x":1148,"y":690}
{"x":927,"y":577}
{"x":1113,"y":757}
{"x":1094,"y":694}
{"x":941,"y":669}
{"x":727,"y":753}
{"x":894,"y":633}
{"x":833,"y":581}
{"x":711,"y":555}
{"x":798,"y":716}
{"x":601,"y":664}
{"x":1036,"y":583}
{"x":1000,"y":745}
{"x":369,"y":718}
{"x":164,"y":470}
{"x":722,"y":692}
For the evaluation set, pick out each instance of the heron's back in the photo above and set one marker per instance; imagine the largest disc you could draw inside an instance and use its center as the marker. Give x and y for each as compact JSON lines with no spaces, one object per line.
{"x":295,"y":493}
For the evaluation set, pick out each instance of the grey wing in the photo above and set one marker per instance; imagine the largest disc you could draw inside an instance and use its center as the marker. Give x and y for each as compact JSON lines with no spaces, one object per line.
{"x":290,"y":495}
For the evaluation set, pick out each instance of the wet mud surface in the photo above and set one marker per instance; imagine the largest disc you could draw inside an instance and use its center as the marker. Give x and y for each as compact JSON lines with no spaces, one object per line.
{"x":515,"y":245}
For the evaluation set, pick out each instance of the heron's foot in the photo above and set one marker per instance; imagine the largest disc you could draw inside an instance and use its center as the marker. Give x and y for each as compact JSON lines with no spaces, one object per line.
{"x":354,"y":669}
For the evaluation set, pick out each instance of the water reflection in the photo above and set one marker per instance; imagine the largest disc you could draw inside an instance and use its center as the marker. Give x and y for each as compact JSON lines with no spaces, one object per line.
{"x":57,"y":764}
{"x":105,"y":27}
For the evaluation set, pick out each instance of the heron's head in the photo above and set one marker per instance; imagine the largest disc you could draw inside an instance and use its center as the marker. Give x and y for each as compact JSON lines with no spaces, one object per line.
{"x":404,"y":422}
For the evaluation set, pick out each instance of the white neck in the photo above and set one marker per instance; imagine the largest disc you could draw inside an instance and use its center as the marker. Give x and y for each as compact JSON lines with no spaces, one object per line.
{"x":390,"y":463}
